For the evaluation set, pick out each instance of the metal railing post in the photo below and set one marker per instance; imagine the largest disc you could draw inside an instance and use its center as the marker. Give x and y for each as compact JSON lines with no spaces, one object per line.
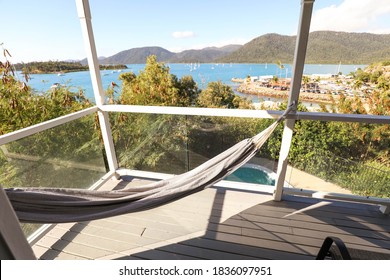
{"x":299,"y":62}
{"x":84,"y":13}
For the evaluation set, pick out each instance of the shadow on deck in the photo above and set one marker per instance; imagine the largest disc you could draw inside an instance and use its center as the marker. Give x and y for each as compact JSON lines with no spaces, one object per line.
{"x":220,"y":224}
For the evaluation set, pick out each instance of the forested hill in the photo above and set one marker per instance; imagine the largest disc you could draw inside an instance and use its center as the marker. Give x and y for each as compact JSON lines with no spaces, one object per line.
{"x":139,"y":55}
{"x":324,"y":47}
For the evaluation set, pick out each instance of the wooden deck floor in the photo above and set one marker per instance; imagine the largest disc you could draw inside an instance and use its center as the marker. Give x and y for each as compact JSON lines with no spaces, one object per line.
{"x":222,"y":224}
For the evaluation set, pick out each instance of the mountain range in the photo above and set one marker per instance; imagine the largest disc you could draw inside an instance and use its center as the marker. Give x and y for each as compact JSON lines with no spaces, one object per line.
{"x":324,"y":47}
{"x":139,"y":55}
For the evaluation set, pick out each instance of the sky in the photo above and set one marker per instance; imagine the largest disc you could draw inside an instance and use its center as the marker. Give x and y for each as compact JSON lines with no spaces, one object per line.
{"x":40,"y":30}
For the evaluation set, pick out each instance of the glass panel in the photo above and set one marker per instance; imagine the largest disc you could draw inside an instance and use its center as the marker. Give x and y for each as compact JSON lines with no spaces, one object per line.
{"x":150,"y":142}
{"x":210,"y":136}
{"x":341,"y":157}
{"x":67,"y":156}
{"x":176,"y":144}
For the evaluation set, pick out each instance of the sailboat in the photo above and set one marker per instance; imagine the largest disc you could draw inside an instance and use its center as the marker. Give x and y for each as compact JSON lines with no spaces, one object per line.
{"x":60,"y":73}
{"x":338,"y":69}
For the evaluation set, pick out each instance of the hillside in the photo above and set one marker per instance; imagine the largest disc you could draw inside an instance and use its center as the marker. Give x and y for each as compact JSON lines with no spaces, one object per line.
{"x":323,"y":47}
{"x":139,"y":55}
{"x":204,"y":55}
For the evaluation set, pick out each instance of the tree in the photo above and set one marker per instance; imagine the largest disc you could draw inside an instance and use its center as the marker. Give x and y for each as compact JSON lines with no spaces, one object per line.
{"x":219,"y":95}
{"x":156,"y":86}
{"x":187,"y":90}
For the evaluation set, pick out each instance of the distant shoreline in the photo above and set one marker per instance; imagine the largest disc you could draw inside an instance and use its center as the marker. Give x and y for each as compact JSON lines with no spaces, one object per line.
{"x":50,"y":67}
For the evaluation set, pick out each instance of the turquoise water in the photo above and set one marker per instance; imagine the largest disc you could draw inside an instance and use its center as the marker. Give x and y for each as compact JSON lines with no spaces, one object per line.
{"x":202,"y":74}
{"x":252,"y":175}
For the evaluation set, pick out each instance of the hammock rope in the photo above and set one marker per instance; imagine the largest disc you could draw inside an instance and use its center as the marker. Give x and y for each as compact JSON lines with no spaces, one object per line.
{"x":61,"y":205}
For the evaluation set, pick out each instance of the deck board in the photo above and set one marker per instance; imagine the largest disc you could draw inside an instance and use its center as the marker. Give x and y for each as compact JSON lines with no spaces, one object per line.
{"x":284,"y":223}
{"x":241,"y":249}
{"x":222,"y":224}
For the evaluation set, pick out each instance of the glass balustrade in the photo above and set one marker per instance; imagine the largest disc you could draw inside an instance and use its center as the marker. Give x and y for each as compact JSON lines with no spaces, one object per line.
{"x":67,"y":156}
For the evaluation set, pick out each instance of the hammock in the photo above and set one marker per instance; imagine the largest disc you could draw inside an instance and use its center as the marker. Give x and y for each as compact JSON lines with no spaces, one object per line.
{"x":61,"y":205}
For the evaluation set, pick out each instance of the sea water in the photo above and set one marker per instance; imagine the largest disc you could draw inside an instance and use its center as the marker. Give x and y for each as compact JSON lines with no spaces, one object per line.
{"x":202,"y":73}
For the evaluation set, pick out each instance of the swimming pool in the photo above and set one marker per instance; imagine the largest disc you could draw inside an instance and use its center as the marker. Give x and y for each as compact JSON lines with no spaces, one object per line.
{"x":253,"y":173}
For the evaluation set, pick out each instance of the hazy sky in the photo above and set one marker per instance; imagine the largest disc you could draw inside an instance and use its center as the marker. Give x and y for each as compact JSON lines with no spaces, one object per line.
{"x":38,"y":30}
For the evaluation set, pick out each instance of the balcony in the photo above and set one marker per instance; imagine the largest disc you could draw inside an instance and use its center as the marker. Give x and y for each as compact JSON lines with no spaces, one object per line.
{"x":230,"y":220}
{"x":221,"y":223}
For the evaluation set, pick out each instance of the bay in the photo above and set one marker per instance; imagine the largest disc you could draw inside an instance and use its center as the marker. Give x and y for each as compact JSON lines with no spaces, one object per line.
{"x":202,"y":73}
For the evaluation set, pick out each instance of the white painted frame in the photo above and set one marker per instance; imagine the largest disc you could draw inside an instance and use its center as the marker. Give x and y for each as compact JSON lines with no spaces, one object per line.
{"x":299,"y":63}
{"x":84,"y":13}
{"x":245,"y":113}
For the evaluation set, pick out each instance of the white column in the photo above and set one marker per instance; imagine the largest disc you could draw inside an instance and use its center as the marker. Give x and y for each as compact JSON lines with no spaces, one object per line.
{"x":299,"y":62}
{"x":84,"y":13}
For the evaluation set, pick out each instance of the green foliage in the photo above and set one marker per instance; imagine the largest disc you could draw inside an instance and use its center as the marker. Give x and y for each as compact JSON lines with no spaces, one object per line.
{"x":372,"y":141}
{"x":362,"y":76}
{"x":20,"y":107}
{"x":51,"y":157}
{"x":370,"y":179}
{"x":219,"y":95}
{"x":156,"y":86}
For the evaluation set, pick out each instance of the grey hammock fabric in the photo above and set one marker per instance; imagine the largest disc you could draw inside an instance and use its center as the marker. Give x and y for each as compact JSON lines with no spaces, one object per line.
{"x":50,"y":205}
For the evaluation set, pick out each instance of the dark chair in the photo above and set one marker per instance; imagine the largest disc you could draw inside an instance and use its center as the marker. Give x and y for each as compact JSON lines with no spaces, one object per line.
{"x":335,"y":249}
{"x":337,"y":252}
